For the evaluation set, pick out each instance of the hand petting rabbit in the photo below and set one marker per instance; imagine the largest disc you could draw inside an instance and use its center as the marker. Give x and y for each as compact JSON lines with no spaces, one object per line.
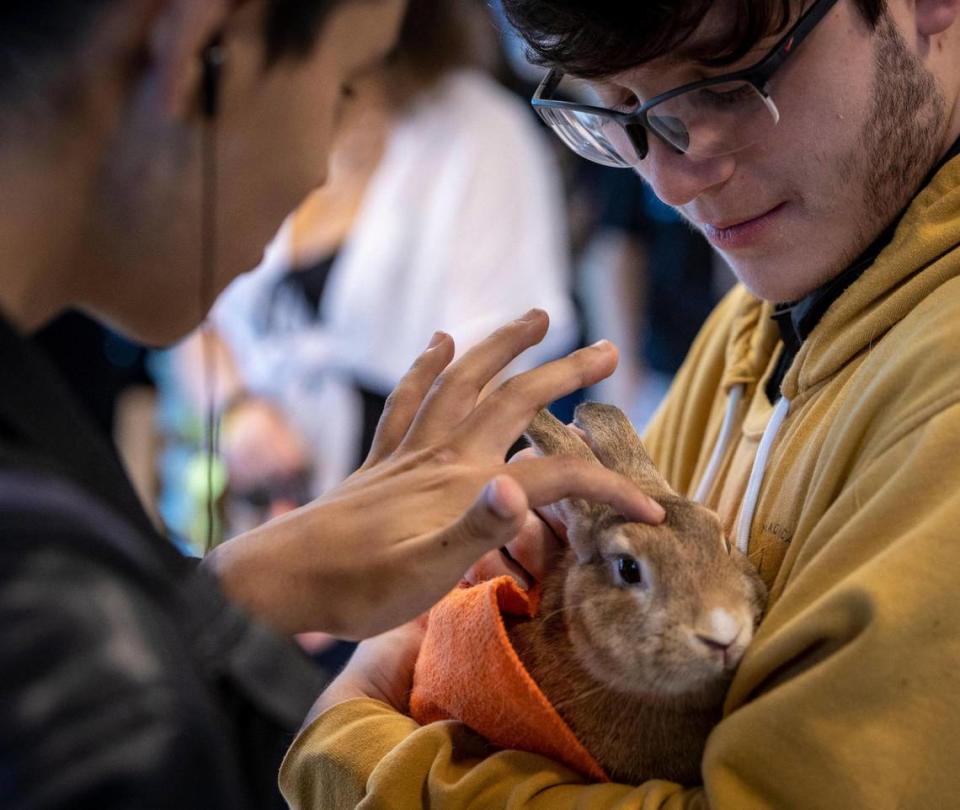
{"x":640,"y":628}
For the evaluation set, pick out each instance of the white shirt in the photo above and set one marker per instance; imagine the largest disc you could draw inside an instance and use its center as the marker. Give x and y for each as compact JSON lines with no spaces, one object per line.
{"x":462,"y":228}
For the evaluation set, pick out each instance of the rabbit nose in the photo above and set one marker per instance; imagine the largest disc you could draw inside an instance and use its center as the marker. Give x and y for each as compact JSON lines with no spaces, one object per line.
{"x":727,"y":653}
{"x":721,"y":628}
{"x":713,"y":644}
{"x":720,"y":633}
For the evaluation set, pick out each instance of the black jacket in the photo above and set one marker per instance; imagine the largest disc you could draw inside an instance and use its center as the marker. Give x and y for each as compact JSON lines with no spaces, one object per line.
{"x":126,"y":677}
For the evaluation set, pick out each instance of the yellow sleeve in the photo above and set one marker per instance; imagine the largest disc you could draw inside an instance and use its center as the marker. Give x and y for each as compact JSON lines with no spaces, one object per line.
{"x":362,"y":752}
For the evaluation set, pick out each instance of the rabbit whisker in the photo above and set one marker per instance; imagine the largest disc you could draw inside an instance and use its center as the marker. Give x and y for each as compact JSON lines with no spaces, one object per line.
{"x":582,"y":696}
{"x":545,"y":616}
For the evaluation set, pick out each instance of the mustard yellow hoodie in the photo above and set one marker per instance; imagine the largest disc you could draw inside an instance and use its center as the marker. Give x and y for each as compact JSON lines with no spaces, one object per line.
{"x":849,"y":696}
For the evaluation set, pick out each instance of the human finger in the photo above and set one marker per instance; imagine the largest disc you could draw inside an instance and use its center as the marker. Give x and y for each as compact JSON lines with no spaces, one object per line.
{"x":498,"y":421}
{"x":380,"y":668}
{"x":535,"y":549}
{"x":405,"y":400}
{"x":453,"y":395}
{"x":550,"y":515}
{"x":528,"y":557}
{"x":435,"y":563}
{"x":547,"y":480}
{"x":495,"y":564}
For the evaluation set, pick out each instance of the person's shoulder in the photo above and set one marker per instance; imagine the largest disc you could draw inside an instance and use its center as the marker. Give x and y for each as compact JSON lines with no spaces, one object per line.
{"x":927,"y":336}
{"x":913,"y":373}
{"x":99,"y":691}
{"x":61,"y":545}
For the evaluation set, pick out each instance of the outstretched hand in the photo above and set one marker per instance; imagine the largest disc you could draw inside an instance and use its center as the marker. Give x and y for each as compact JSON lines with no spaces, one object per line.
{"x":432,"y":498}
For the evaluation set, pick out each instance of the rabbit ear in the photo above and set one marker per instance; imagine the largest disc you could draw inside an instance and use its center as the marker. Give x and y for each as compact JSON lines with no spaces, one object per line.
{"x":614,"y":441}
{"x":550,"y":437}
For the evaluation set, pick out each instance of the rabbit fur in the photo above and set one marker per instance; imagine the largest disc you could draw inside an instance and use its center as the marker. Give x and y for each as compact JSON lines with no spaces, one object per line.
{"x":640,"y":627}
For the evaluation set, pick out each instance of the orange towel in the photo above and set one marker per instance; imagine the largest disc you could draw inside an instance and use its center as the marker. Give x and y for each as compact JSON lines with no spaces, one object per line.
{"x":469,"y":671}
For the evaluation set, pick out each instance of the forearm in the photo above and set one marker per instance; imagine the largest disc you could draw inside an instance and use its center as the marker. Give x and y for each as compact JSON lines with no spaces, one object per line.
{"x":363,"y":749}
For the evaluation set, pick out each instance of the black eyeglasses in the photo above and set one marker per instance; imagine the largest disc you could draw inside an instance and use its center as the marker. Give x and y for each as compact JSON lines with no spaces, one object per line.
{"x":707,"y":118}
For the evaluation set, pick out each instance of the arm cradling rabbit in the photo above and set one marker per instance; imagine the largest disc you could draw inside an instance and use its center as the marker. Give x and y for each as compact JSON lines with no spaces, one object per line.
{"x":640,"y":627}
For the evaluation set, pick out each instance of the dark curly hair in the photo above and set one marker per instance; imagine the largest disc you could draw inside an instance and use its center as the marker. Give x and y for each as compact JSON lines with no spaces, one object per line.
{"x":605,"y":37}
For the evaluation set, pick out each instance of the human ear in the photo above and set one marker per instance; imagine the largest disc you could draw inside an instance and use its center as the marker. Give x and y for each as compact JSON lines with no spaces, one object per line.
{"x":178,"y":37}
{"x":935,"y":16}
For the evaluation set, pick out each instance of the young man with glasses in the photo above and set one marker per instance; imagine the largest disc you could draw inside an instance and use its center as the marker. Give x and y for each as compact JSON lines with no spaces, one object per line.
{"x":817,"y":146}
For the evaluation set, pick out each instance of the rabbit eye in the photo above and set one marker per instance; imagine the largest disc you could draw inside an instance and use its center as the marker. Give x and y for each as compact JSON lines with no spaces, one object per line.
{"x":629,"y":570}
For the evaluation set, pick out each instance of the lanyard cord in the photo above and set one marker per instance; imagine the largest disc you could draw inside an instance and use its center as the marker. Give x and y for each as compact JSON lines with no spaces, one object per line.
{"x":208,"y":239}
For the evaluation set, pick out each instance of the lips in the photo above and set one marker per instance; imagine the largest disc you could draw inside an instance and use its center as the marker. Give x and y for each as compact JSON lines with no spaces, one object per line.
{"x":741,"y":232}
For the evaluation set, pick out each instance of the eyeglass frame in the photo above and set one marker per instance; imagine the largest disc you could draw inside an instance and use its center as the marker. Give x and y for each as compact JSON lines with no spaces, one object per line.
{"x":758,"y":75}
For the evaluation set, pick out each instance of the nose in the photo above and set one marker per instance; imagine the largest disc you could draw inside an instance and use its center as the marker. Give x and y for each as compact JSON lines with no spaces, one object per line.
{"x":723,"y":633}
{"x":713,"y":644}
{"x":678,"y":179}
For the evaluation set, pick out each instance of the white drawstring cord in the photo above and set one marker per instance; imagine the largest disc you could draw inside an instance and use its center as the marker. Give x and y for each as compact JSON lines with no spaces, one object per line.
{"x":752,"y":495}
{"x":720,"y":446}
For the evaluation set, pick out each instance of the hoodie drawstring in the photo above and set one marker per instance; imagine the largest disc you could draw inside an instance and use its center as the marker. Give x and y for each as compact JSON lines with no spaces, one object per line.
{"x":720,"y":447}
{"x":749,"y":507}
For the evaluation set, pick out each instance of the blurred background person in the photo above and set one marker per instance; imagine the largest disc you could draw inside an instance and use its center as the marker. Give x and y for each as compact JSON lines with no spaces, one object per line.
{"x":442,"y":211}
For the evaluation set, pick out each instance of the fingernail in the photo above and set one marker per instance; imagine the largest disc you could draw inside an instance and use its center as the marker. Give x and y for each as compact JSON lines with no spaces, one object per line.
{"x":534,"y":314}
{"x":436,"y":340}
{"x":600,"y":344}
{"x":658,"y":511}
{"x":491,"y":495}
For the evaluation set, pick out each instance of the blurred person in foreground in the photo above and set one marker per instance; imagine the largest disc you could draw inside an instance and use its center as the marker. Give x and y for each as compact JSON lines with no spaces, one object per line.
{"x":817,"y":146}
{"x":442,"y":211}
{"x":149,"y":150}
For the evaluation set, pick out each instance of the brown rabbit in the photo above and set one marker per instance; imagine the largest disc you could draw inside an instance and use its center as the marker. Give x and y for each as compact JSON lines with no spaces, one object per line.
{"x":640,"y":627}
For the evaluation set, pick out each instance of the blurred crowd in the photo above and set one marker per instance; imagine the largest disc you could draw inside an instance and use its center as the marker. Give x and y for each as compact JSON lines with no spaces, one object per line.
{"x":443,"y":211}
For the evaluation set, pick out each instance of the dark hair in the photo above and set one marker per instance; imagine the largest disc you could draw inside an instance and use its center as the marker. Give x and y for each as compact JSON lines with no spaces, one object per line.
{"x":436,"y":36}
{"x":292,"y":26}
{"x":36,"y":37}
{"x":602,"y":38}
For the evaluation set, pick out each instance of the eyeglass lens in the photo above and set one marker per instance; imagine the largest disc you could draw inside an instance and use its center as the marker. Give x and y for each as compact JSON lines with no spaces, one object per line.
{"x":595,"y":137}
{"x":715,"y":120}
{"x":710,"y":121}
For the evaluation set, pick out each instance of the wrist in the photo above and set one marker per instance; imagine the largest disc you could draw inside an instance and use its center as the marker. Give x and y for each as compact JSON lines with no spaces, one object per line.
{"x":251,"y":572}
{"x":343,"y":688}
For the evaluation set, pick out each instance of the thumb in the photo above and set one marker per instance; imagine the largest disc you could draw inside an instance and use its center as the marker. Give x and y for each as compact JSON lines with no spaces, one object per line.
{"x":494,"y":519}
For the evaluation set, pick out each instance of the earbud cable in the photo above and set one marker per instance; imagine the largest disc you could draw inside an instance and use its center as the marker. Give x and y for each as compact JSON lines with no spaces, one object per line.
{"x":209,"y":258}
